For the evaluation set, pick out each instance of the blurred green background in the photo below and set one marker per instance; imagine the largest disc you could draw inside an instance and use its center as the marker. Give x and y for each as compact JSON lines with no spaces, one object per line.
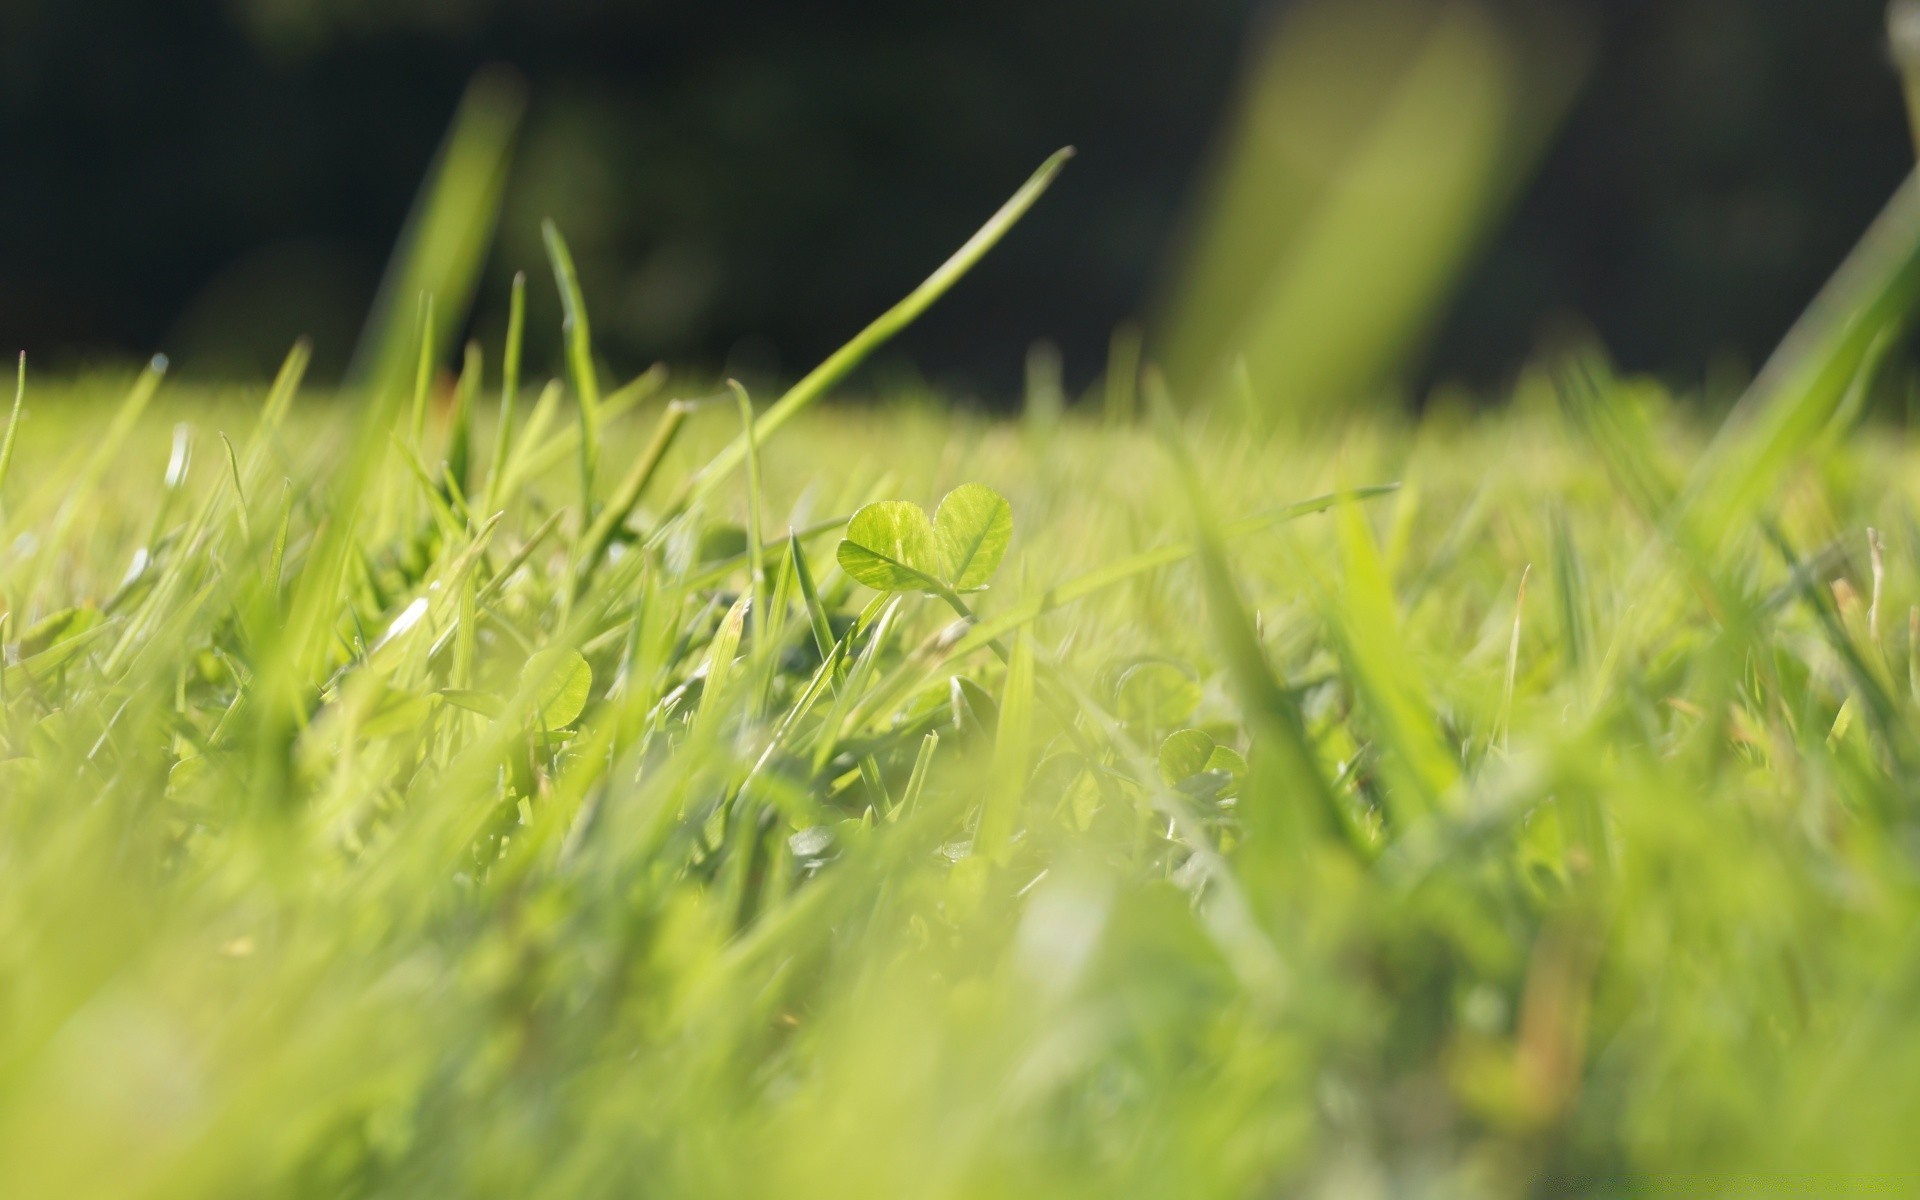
{"x":744,"y":183}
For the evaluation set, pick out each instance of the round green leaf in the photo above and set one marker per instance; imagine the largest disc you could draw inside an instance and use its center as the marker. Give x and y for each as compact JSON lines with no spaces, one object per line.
{"x":1227,"y":759}
{"x":560,"y":680}
{"x":890,"y":547}
{"x":973,"y":526}
{"x":1185,"y":754}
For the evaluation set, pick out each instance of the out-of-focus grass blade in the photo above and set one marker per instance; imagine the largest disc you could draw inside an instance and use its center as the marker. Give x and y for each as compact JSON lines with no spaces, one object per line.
{"x":447,"y":234}
{"x":1012,"y":756}
{"x":1802,"y":385}
{"x":1374,"y":145}
{"x":1379,"y":662}
{"x":1289,"y":800}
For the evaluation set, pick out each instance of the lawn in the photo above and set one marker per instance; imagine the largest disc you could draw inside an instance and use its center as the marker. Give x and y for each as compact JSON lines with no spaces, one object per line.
{"x":1497,"y":828}
{"x":453,"y":787}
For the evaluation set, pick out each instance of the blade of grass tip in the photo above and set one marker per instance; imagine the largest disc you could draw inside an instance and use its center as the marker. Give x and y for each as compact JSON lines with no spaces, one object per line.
{"x":756,"y":567}
{"x":239,"y":490}
{"x":1282,"y":742}
{"x":13,"y":423}
{"x":579,"y":341}
{"x":509,"y":386}
{"x":593,"y":546}
{"x":720,"y":669}
{"x":1796,"y":394}
{"x":816,"y":611}
{"x":286,"y":385}
{"x":917,"y":781}
{"x":447,"y":234}
{"x":460,"y":433}
{"x":842,"y":362}
{"x":633,"y":391}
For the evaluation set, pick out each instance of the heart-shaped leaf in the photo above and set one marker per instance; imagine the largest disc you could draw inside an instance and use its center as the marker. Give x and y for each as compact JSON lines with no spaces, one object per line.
{"x":890,"y":547}
{"x":1185,"y":754}
{"x":1227,"y":759}
{"x":972,"y":526}
{"x":561,"y":680}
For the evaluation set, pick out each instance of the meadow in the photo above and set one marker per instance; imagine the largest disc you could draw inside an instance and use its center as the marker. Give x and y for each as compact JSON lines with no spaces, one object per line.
{"x":474,"y":787}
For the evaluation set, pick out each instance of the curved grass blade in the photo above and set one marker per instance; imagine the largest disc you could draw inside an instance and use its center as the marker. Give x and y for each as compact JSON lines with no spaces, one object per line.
{"x":841,"y":363}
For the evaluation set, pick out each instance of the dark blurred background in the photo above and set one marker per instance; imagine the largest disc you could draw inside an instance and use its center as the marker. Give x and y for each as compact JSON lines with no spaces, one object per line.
{"x":746,"y":182}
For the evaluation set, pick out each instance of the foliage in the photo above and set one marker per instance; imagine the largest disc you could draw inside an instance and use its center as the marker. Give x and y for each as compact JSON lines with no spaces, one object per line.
{"x":393,"y":804}
{"x":423,"y":857}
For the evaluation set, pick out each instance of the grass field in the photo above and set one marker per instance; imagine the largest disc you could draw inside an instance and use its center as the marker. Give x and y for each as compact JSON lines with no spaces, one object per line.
{"x":454,"y":789}
{"x":1485,"y":831}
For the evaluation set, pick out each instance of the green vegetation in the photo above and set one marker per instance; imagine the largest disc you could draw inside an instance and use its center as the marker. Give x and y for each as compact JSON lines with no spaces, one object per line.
{"x":1322,"y":848}
{"x":614,"y":795}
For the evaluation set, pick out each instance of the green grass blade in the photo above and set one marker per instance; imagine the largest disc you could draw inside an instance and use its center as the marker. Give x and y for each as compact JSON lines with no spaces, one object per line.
{"x":447,"y":234}
{"x":509,"y":388}
{"x":579,"y":341}
{"x":843,"y":361}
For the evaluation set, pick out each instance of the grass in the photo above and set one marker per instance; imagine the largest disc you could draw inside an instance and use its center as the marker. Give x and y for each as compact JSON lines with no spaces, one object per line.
{"x":617,"y":795}
{"x":1493,"y":878}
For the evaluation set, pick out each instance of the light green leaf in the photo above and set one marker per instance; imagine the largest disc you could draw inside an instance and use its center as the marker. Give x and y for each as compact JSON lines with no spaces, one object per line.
{"x":890,"y":547}
{"x":1185,"y":754}
{"x":1226,"y":758}
{"x":973,"y":526}
{"x":560,"y":680}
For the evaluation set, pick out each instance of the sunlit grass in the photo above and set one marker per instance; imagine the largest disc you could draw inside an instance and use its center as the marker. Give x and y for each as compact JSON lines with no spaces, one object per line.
{"x":1597,"y":881}
{"x":600,"y":788}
